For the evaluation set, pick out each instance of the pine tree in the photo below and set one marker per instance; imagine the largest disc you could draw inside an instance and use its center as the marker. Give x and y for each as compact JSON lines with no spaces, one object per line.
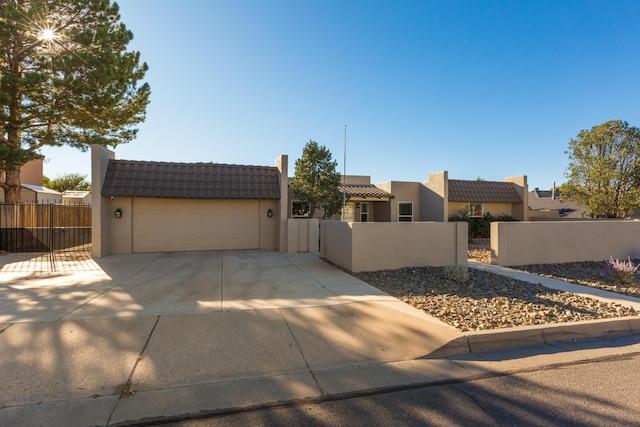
{"x":316,"y":181}
{"x":66,"y":79}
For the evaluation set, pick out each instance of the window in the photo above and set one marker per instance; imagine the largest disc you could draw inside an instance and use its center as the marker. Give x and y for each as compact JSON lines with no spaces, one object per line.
{"x":300,"y":209}
{"x":405,"y":211}
{"x":364,"y":212}
{"x":475,"y":209}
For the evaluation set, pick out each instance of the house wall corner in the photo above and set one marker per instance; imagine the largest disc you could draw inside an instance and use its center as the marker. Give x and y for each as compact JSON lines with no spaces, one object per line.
{"x":100,"y":217}
{"x":434,"y":197}
{"x":282,"y":164}
{"x":520,"y":210}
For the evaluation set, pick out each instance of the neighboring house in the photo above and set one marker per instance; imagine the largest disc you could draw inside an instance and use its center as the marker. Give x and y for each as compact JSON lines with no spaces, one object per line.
{"x":76,"y":197}
{"x":444,"y":197}
{"x":36,"y":194}
{"x":435,"y":200}
{"x":31,"y":183}
{"x":162,"y":206}
{"x":364,"y":201}
{"x":32,"y":172}
{"x":547,"y":205}
{"x":40,"y":194}
{"x":440,"y":197}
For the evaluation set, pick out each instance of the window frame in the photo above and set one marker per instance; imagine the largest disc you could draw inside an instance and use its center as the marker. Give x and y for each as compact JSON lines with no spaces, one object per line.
{"x":364,"y":213}
{"x":473,"y":212}
{"x":405,"y":217}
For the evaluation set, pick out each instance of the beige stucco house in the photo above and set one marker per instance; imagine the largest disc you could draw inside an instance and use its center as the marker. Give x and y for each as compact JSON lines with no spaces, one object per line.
{"x":365,"y":202}
{"x":141,"y":206}
{"x":31,"y":173}
{"x":443,"y":197}
{"x":162,"y":206}
{"x":434,"y":200}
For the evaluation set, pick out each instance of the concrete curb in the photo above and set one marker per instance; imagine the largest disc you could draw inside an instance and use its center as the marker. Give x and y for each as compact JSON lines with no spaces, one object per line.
{"x":537,"y":334}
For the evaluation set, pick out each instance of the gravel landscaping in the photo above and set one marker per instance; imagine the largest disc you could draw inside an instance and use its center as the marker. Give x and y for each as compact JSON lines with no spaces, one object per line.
{"x":589,"y":273}
{"x":595,"y":274}
{"x":486,"y":300}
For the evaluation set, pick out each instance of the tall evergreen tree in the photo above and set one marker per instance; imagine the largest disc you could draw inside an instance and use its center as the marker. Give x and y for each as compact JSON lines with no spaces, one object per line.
{"x":604,"y":170}
{"x":66,"y":78}
{"x":316,"y":181}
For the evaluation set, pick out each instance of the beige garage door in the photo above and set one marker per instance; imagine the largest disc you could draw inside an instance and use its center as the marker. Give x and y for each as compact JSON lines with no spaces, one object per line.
{"x":161,"y":225}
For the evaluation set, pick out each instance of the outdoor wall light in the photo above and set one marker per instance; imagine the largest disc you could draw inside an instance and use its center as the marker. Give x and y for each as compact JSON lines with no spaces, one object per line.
{"x":357,"y":205}
{"x":118,"y":213}
{"x":269,"y":213}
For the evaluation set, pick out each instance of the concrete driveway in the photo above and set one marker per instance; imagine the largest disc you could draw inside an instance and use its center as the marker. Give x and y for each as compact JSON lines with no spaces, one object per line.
{"x":122,"y":338}
{"x":180,"y":282}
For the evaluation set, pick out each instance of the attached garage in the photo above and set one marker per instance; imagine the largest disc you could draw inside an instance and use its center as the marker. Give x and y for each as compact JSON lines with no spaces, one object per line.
{"x":188,"y":225}
{"x":166,"y":207}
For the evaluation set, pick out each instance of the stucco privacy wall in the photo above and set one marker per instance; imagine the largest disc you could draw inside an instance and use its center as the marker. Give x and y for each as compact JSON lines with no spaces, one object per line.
{"x":303,"y":235}
{"x":360,"y":246}
{"x":545,"y":242}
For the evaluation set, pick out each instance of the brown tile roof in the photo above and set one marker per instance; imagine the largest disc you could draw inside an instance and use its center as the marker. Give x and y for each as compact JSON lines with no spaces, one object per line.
{"x":365,"y":190}
{"x":483,"y":192}
{"x":132,"y":178}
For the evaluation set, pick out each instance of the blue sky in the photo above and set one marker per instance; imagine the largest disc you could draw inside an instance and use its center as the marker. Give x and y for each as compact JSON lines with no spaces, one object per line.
{"x":485,"y":89}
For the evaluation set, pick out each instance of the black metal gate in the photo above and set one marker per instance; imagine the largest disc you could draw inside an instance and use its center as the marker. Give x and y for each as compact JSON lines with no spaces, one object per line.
{"x":27,"y":227}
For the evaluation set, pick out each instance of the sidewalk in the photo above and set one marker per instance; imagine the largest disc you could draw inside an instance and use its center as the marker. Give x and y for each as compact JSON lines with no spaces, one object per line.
{"x":160,"y":336}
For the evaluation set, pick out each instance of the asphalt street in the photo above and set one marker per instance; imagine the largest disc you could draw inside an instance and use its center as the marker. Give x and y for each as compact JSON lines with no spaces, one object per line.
{"x":604,"y":392}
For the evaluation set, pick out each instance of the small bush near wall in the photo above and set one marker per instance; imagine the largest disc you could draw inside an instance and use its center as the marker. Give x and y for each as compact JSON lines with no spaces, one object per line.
{"x":479,"y":227}
{"x":457,"y":272}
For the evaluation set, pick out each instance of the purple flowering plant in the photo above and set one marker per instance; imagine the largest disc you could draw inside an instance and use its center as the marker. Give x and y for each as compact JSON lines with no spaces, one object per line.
{"x":622,"y":271}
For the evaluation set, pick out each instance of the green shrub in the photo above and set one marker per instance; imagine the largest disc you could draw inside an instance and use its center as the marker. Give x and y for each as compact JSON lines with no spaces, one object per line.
{"x":479,"y":227}
{"x":457,"y":273}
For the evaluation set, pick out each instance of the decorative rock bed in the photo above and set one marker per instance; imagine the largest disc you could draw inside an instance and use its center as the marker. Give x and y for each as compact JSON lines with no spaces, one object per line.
{"x":589,"y":273}
{"x":487,"y":300}
{"x":593,"y":273}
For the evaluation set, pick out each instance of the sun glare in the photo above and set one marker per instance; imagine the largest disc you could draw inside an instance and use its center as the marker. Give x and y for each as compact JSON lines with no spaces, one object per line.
{"x":47,"y":34}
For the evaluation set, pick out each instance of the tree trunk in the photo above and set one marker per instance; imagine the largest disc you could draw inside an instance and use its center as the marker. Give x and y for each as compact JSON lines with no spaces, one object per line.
{"x":11,"y":185}
{"x":12,"y":192}
{"x":13,"y":128}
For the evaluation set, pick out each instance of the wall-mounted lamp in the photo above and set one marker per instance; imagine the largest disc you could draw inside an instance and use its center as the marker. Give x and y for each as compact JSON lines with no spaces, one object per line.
{"x":357,"y":205}
{"x":270,"y":213}
{"x":118,"y":213}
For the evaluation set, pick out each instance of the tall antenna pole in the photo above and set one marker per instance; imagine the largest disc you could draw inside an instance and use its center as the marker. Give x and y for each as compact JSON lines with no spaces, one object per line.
{"x":344,"y":174}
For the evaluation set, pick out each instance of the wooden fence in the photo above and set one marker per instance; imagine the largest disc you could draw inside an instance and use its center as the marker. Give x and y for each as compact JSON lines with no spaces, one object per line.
{"x":28,"y":227}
